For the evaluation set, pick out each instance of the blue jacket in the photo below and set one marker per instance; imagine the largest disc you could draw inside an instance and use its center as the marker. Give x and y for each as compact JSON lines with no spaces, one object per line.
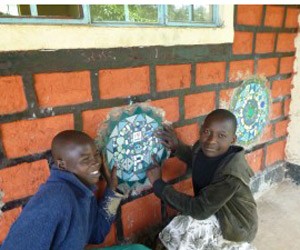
{"x":63,"y":214}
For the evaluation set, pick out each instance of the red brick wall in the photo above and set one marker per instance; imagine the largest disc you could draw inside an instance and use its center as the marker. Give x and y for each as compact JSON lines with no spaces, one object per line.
{"x":188,"y":82}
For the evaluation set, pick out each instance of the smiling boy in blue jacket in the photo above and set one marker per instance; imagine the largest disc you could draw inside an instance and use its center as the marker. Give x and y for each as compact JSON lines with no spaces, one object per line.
{"x":65,"y":214}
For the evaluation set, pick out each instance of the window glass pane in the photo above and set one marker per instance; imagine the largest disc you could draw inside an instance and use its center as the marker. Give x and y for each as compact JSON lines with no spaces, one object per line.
{"x":24,"y":10}
{"x":7,"y":10}
{"x":56,"y":11}
{"x":143,"y":13}
{"x":61,"y":11}
{"x":107,"y":12}
{"x":202,"y":13}
{"x":178,"y":13}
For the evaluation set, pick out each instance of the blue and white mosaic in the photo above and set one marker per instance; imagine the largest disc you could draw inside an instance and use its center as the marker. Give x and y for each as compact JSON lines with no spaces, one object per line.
{"x":251,"y":106}
{"x":129,"y":141}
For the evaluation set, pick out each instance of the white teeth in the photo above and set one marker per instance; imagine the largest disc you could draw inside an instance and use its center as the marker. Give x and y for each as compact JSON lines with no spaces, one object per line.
{"x":95,"y":172}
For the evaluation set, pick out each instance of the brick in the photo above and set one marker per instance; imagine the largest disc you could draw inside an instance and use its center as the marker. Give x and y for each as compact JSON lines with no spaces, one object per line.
{"x":169,"y":77}
{"x":171,"y":106}
{"x":254,"y":160}
{"x":267,"y":134}
{"x":281,"y":87}
{"x":267,"y":67}
{"x":287,"y":104}
{"x":59,"y":89}
{"x":264,"y":42}
{"x":276,"y":111}
{"x":199,"y":104}
{"x":274,"y":16}
{"x":225,"y":98}
{"x":92,"y":119}
{"x":249,"y":14}
{"x":188,"y":134}
{"x":101,"y":186}
{"x":173,"y":168}
{"x":140,"y":214}
{"x":212,"y":72}
{"x":287,"y":65}
{"x":28,"y":137}
{"x":185,"y":186}
{"x":242,"y":43}
{"x":275,"y":152}
{"x":6,"y":221}
{"x":291,"y":20}
{"x":23,"y":180}
{"x":126,"y":82}
{"x":12,"y":95}
{"x":286,"y":42}
{"x":240,"y":69}
{"x":281,"y":128}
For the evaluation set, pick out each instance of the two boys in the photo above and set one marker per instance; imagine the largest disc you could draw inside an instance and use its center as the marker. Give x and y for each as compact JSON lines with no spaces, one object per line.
{"x":64,"y":213}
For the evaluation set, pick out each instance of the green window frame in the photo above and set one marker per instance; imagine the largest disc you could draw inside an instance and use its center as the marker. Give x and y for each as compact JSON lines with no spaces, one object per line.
{"x":85,"y":18}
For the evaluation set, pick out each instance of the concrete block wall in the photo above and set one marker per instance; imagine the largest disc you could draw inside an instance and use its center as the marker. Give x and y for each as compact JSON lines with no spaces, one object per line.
{"x":45,"y":92}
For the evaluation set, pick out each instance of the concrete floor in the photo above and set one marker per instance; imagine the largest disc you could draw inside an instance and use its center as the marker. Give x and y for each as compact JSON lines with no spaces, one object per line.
{"x":279,"y":218}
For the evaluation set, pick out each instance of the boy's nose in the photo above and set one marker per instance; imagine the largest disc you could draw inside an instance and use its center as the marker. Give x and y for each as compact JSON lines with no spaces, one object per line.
{"x":211,"y":138}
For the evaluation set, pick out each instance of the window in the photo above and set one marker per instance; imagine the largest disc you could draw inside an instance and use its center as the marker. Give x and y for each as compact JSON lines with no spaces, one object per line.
{"x":113,"y":14}
{"x":87,"y":26}
{"x":13,"y":13}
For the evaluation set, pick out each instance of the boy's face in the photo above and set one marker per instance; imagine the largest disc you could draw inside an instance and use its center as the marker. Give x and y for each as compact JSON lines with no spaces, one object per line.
{"x":216,"y":136}
{"x":83,"y":160}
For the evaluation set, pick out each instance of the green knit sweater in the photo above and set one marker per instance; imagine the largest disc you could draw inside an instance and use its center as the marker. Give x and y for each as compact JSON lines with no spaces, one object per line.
{"x":228,"y":196}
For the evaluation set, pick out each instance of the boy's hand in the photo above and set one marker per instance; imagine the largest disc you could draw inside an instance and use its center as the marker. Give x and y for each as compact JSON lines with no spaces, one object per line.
{"x":168,"y":137}
{"x":154,"y":172}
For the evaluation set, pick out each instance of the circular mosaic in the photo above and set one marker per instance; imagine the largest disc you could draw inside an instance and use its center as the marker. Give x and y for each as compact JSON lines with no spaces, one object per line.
{"x":130,"y":142}
{"x":250,"y":105}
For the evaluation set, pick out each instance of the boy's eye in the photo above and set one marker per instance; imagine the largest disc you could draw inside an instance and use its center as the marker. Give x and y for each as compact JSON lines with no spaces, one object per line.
{"x":86,"y":160}
{"x":222,"y":136}
{"x":205,"y":131}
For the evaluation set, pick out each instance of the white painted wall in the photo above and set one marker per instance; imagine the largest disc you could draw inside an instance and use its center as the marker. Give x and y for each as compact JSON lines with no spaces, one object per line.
{"x":293,"y":140}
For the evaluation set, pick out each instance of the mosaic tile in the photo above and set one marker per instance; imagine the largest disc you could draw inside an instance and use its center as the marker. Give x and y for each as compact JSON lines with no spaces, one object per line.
{"x":128,"y":141}
{"x":251,"y":105}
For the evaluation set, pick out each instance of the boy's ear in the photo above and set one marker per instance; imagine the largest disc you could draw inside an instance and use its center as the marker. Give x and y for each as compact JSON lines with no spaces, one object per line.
{"x":61,"y":164}
{"x":234,"y":139}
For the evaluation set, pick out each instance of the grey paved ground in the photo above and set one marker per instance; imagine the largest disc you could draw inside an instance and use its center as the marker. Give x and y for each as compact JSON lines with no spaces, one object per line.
{"x":279,"y":218}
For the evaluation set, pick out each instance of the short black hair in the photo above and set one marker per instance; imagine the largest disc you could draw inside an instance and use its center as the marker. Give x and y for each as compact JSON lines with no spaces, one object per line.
{"x":225,"y":114}
{"x":64,"y":138}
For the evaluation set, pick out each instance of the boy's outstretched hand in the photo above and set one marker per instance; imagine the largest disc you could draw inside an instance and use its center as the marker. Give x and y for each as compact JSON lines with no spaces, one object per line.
{"x":154,"y":172}
{"x":110,"y":177}
{"x":168,"y":137}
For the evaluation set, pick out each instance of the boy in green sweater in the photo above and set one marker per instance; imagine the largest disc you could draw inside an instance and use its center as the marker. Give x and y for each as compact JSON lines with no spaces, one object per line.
{"x":222,"y":213}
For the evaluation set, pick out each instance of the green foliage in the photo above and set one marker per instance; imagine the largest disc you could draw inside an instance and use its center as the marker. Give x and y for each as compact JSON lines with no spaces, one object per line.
{"x":178,"y":14}
{"x":200,"y":14}
{"x":143,"y":13}
{"x":107,"y":12}
{"x":149,"y":13}
{"x":114,"y":12}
